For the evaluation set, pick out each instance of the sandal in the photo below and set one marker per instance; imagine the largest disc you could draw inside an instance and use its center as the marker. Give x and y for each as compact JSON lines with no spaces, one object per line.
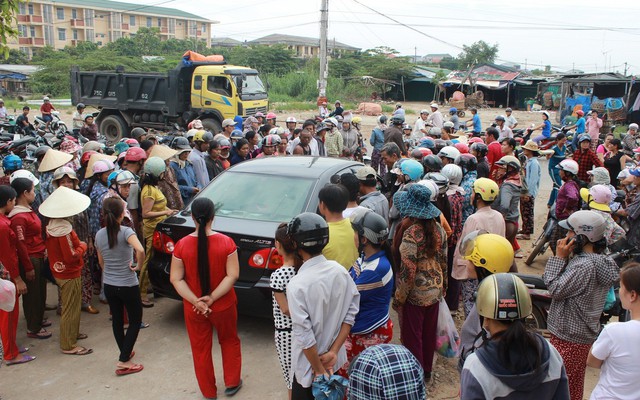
{"x":131,"y":370}
{"x":147,"y":304}
{"x":24,"y":359}
{"x":79,"y":351}
{"x":82,"y":336}
{"x":42,"y":334}
{"x":46,"y":323}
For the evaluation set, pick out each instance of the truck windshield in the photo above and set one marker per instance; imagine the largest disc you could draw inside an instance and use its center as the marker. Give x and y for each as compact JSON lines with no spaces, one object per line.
{"x":252,"y":88}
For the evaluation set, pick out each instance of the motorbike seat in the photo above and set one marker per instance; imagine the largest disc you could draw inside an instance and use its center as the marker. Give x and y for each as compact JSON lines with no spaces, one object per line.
{"x":23,"y":141}
{"x":534,"y":281}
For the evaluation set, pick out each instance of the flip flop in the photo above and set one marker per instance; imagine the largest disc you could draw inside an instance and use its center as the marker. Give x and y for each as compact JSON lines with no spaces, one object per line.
{"x":82,"y":336}
{"x":79,"y":351}
{"x":25,"y":359}
{"x":144,"y":325}
{"x":43,"y":334}
{"x":131,"y":370}
{"x":147,"y":304}
{"x":22,"y":349}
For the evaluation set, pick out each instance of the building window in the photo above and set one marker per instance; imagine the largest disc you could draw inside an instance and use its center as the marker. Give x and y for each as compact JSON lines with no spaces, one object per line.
{"x":88,"y":17}
{"x":22,"y":9}
{"x":47,"y":13}
{"x":132,"y":20}
{"x":149,"y":22}
{"x":74,"y":13}
{"x":22,"y":30}
{"x":90,"y":35}
{"x":116,"y":21}
{"x":204,"y":28}
{"x":159,"y":22}
{"x":30,"y":9}
{"x":192,"y":28}
{"x":48,"y":35}
{"x":75,"y":34}
{"x":62,"y":34}
{"x":32,"y":31}
{"x":59,"y":13}
{"x":172,"y":25}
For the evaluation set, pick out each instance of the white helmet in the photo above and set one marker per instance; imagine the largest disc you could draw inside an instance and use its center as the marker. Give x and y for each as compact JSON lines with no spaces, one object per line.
{"x":291,"y":119}
{"x":277,"y":131}
{"x":453,"y":172}
{"x":191,"y":133}
{"x":449,"y":152}
{"x":569,"y":166}
{"x":547,"y":114}
{"x":434,"y":105}
{"x":23,"y":173}
{"x":587,"y":223}
{"x":45,"y":98}
{"x":432,"y":186}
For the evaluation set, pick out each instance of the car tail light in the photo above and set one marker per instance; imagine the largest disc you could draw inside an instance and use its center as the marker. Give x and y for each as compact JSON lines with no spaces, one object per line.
{"x":163,"y":243}
{"x":266,"y":259}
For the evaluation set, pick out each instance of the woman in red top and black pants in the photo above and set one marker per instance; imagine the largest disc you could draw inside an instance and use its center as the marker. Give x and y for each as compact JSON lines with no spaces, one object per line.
{"x":205,"y":280}
{"x":66,"y":258}
{"x":9,"y":258}
{"x":28,"y":230}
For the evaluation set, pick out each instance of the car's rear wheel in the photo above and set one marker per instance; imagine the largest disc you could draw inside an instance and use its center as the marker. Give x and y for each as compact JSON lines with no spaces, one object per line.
{"x":113,"y":128}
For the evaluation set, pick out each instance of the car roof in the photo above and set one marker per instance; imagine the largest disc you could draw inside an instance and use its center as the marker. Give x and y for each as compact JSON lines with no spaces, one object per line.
{"x":295,"y":166}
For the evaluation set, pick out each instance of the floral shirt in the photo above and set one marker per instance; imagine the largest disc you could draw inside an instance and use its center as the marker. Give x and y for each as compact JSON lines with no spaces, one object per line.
{"x":456,"y":201}
{"x":421,"y":280}
{"x":467,"y":184}
{"x":98,"y":192}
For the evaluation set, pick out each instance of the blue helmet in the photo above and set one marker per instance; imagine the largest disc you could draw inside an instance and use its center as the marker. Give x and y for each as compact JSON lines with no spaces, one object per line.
{"x":237,"y":134}
{"x":453,"y":110}
{"x":427,"y":143}
{"x":413,"y":169}
{"x":12,"y":163}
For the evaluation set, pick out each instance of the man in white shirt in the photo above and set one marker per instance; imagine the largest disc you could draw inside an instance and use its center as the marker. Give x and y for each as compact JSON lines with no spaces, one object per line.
{"x":323,"y":303}
{"x":505,"y":132}
{"x":435,"y":119}
{"x":420,"y":128}
{"x":511,"y":121}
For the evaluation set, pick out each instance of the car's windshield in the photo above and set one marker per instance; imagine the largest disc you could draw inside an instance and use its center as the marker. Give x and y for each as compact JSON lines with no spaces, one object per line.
{"x":258,"y":196}
{"x":252,"y":84}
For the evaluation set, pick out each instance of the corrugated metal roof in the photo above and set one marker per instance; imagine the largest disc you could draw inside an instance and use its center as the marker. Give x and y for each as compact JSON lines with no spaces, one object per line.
{"x":291,"y":40}
{"x":20,"y":69}
{"x":117,"y":6}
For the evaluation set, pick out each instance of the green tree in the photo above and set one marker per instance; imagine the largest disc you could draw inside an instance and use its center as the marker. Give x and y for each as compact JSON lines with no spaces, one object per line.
{"x":477,"y":53}
{"x":270,"y":59}
{"x":8,"y":12}
{"x":16,"y":57}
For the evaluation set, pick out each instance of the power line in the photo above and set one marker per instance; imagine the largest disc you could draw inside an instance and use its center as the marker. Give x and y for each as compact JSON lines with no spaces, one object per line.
{"x":483,"y":27}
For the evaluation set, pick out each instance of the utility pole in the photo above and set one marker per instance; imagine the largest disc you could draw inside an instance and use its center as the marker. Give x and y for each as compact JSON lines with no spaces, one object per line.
{"x":625,"y":68}
{"x":415,"y":54}
{"x":324,"y":26}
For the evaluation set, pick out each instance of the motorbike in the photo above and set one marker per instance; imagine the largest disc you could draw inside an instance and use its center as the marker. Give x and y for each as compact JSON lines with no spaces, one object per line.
{"x":56,"y":126}
{"x":544,"y":240}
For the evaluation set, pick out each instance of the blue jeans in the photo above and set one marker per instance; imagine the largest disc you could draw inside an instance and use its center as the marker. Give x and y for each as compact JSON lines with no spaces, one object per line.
{"x":554,"y":173}
{"x":47,"y":118}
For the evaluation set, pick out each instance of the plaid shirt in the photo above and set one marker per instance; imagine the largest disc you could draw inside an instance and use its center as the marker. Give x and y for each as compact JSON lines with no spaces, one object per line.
{"x":578,"y":289}
{"x":333,"y":143}
{"x":386,"y":371}
{"x":586,"y":159}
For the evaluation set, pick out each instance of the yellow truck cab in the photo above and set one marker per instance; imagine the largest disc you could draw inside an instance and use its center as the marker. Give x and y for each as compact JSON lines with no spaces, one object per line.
{"x":209,"y":91}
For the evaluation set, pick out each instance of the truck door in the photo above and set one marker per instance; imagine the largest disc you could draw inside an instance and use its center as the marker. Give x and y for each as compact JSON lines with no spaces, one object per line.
{"x":219,"y":94}
{"x":196,"y":92}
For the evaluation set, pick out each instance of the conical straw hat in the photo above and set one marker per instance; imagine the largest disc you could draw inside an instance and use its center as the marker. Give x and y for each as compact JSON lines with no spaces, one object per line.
{"x":63,"y":203}
{"x":92,"y":160}
{"x":162,"y":151}
{"x":54,"y":159}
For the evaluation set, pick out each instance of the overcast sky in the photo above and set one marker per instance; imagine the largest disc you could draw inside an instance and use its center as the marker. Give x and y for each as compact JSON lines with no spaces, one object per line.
{"x":588,"y":35}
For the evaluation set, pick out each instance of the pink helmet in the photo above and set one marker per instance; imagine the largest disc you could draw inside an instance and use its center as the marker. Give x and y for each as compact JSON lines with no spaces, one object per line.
{"x":101,"y":166}
{"x":135,"y":154}
{"x":271,"y":115}
{"x":70,"y":147}
{"x":463,"y":148}
{"x":475,"y":140}
{"x":132,"y":142}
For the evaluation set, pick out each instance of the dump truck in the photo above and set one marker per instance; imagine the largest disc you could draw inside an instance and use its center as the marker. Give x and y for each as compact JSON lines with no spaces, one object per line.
{"x":207,"y":90}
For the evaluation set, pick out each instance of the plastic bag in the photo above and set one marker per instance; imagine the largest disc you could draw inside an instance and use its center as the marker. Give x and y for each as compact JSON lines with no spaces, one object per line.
{"x":610,"y":300}
{"x":333,"y":388}
{"x":447,"y":338}
{"x":7,"y":295}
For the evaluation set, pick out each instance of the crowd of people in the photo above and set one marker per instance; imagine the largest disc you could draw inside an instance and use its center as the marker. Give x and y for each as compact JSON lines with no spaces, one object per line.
{"x":434,"y":222}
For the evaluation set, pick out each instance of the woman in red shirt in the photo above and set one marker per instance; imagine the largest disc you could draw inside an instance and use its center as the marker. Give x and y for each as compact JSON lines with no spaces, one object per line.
{"x":66,"y":258}
{"x":28,"y":230}
{"x":9,"y":258}
{"x":205,"y":280}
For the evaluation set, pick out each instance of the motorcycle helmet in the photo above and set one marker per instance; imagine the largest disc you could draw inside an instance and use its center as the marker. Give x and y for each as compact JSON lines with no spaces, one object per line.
{"x":503,"y":297}
{"x":180,"y":143}
{"x":439,"y":145}
{"x":132,"y":142}
{"x":136,"y":154}
{"x":487,"y":250}
{"x":546,"y":114}
{"x":418,"y":154}
{"x":102,"y":166}
{"x":432,"y":163}
{"x":224,"y":143}
{"x":23,"y":173}
{"x":382,"y":119}
{"x":453,"y":110}
{"x":11,"y":163}
{"x":271,"y":115}
{"x":427,"y":143}
{"x":500,"y":118}
{"x":41,"y":151}
{"x":453,"y":173}
{"x":480,"y":148}
{"x":80,"y":106}
{"x":369,"y":224}
{"x":236,"y":134}
{"x":309,"y":232}
{"x":467,"y":162}
{"x":584,"y":138}
{"x":569,"y":166}
{"x":597,"y":197}
{"x":413,"y":169}
{"x":433,"y":188}
{"x":486,"y":188}
{"x":397,"y":120}
{"x":203,"y":136}
{"x":435,"y":132}
{"x":449,"y":152}
{"x":462,"y":148}
{"x":121,"y":177}
{"x":406,"y":127}
{"x":332,"y":121}
{"x":155,"y":166}
{"x":357,"y":120}
{"x":271,"y":140}
{"x":510,"y":162}
{"x":440,"y":180}
{"x":277,"y":131}
{"x":291,"y":119}
{"x":137,"y":133}
{"x":586,"y":223}
{"x":61,"y":172}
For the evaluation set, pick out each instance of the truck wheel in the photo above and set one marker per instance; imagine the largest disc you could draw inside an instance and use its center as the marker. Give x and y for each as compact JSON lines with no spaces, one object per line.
{"x":212,"y":125}
{"x":113,"y":128}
